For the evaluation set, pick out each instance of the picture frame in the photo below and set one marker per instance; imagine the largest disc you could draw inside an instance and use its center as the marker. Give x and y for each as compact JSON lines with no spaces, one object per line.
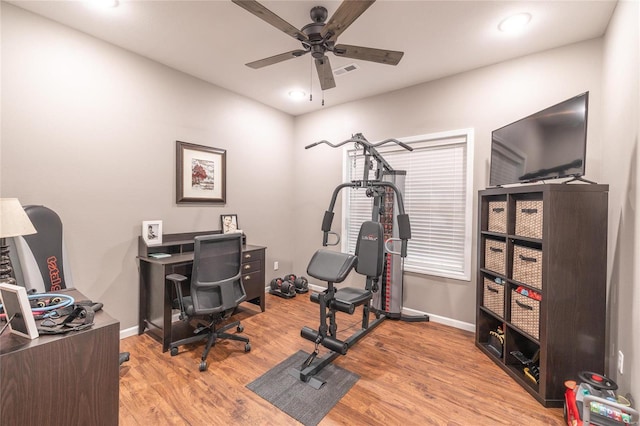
{"x":152,"y":232}
{"x":229,"y":223}
{"x":15,"y":304}
{"x":200,"y":174}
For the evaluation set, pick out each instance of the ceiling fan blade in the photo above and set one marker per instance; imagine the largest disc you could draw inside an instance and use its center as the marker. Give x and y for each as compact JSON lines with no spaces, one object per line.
{"x":269,"y":17}
{"x":389,"y":57}
{"x":276,"y":58}
{"x":348,"y":11}
{"x":325,"y":73}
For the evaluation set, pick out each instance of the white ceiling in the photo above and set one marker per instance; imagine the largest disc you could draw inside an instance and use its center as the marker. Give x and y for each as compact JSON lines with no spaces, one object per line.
{"x":212,"y":40}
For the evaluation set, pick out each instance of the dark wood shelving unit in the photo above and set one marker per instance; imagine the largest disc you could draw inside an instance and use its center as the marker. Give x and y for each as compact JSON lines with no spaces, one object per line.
{"x":567,"y":270}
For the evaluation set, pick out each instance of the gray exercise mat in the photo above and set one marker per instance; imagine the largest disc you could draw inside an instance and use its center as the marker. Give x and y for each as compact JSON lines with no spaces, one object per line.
{"x":298,"y":399}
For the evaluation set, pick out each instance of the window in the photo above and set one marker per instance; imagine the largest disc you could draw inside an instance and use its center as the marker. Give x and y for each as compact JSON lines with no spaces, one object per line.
{"x":437,"y":197}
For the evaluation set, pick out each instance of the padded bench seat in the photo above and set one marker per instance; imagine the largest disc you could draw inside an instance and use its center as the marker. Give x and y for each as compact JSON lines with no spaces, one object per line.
{"x":331,"y":266}
{"x":353,"y":295}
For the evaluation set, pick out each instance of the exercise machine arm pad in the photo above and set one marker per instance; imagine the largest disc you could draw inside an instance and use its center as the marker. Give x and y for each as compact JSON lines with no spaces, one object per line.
{"x":404,"y":227}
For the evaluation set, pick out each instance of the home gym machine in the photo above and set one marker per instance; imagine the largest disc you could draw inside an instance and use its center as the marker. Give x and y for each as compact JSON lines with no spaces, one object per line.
{"x":369,"y":259}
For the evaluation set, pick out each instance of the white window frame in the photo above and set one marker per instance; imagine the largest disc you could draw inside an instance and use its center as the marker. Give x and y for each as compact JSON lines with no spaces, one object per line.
{"x":447,"y":138}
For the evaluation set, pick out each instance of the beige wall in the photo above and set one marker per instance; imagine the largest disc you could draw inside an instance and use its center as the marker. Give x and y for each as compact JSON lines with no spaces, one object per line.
{"x":89,"y":130}
{"x":483,"y":99}
{"x":621,"y":115}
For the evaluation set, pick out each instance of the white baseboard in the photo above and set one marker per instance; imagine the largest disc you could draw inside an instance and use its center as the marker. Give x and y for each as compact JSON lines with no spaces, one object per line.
{"x":132,"y":331}
{"x":412,"y":312}
{"x":442,"y":320}
{"x":128,"y":332}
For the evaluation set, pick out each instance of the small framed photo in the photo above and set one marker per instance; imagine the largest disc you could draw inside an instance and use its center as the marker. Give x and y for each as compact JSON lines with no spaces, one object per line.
{"x":229,"y":223}
{"x":15,"y":304}
{"x":200,"y":174}
{"x":152,"y":232}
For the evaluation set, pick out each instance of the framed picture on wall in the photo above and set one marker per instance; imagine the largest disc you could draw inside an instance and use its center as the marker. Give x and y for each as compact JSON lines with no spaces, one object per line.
{"x":229,"y":223}
{"x":200,"y":174}
{"x":152,"y":232}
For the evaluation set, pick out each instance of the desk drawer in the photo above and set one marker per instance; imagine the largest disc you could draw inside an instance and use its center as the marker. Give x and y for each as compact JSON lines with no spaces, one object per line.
{"x":249,"y":267}
{"x":250,"y":256}
{"x":253,"y":284}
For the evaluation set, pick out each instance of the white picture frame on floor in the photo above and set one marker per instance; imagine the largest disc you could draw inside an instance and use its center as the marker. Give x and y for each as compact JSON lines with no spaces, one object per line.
{"x":15,"y":304}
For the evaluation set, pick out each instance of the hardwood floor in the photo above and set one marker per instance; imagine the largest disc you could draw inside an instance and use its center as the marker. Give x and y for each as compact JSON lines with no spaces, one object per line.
{"x":410,"y":374}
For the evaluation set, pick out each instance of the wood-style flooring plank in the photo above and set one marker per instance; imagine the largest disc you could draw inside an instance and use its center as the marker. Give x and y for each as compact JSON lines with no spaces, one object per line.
{"x":410,"y":374}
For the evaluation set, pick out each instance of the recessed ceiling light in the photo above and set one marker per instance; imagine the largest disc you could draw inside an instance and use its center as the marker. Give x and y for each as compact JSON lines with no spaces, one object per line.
{"x":105,"y":4}
{"x":515,"y":23}
{"x":297,"y":95}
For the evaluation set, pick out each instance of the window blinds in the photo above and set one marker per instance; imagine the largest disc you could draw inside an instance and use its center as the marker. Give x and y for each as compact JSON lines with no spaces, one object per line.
{"x":436,"y":197}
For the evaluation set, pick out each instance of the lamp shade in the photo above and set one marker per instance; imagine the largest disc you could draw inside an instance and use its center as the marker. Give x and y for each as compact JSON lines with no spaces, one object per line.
{"x":13,"y":220}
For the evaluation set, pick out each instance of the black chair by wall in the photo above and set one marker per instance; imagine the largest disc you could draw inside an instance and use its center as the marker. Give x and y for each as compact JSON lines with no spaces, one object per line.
{"x":216,"y":290}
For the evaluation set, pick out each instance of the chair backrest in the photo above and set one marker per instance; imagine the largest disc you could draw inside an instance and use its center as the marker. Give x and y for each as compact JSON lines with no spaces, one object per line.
{"x":42,"y":258}
{"x":216,"y":278}
{"x":370,"y":249}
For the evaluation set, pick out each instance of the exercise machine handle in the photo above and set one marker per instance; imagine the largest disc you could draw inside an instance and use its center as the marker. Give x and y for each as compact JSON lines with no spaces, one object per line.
{"x":325,"y":239}
{"x":389,"y":248}
{"x":403,"y":247}
{"x":358,"y":138}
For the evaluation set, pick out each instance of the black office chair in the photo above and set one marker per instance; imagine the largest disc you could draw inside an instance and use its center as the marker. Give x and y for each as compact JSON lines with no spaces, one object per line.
{"x":215,"y":291}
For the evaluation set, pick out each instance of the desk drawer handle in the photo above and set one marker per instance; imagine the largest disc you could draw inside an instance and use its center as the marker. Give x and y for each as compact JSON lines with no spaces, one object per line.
{"x":247,"y":278}
{"x":247,"y":266}
{"x":247,"y":256}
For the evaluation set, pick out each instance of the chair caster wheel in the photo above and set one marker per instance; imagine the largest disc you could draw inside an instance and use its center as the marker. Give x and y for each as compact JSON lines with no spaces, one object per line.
{"x":247,"y":347}
{"x":203,"y":366}
{"x":240,"y":328}
{"x":174,"y":351}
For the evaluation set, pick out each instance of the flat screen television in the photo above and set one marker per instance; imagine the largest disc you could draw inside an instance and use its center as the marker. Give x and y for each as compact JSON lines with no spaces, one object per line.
{"x":549,"y":144}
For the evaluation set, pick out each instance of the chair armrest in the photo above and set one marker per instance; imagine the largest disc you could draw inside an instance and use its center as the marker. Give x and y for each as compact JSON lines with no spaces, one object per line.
{"x":176,"y":278}
{"x":177,"y":281}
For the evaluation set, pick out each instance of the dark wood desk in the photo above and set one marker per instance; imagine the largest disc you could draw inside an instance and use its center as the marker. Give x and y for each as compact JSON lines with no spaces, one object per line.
{"x":157,"y":294}
{"x":68,"y":379}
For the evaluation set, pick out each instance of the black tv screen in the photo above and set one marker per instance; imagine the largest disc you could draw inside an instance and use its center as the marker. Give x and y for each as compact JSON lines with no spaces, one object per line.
{"x":549,"y":144}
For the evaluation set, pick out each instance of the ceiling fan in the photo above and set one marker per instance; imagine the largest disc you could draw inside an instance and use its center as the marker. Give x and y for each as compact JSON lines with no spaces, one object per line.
{"x":319,"y":37}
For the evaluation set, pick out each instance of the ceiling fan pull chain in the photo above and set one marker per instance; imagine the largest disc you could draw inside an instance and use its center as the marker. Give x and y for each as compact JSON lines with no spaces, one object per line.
{"x":311,"y":80}
{"x":321,"y":85}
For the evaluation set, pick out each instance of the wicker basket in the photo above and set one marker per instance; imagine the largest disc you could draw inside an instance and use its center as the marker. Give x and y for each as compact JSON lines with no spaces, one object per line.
{"x":497,"y":216}
{"x":525,"y":314}
{"x":495,"y":255}
{"x":494,"y":296}
{"x":527,"y":266}
{"x":529,"y":218}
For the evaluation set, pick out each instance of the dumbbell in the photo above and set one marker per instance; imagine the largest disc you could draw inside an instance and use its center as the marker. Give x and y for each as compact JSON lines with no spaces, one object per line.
{"x":284,"y":286}
{"x":301,"y":284}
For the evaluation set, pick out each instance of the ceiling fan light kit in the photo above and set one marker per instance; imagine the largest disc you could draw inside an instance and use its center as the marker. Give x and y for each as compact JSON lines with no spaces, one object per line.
{"x":319,"y":37}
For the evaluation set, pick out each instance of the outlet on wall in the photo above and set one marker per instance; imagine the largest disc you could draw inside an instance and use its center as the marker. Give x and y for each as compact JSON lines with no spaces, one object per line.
{"x":275,"y":265}
{"x":620,"y":362}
